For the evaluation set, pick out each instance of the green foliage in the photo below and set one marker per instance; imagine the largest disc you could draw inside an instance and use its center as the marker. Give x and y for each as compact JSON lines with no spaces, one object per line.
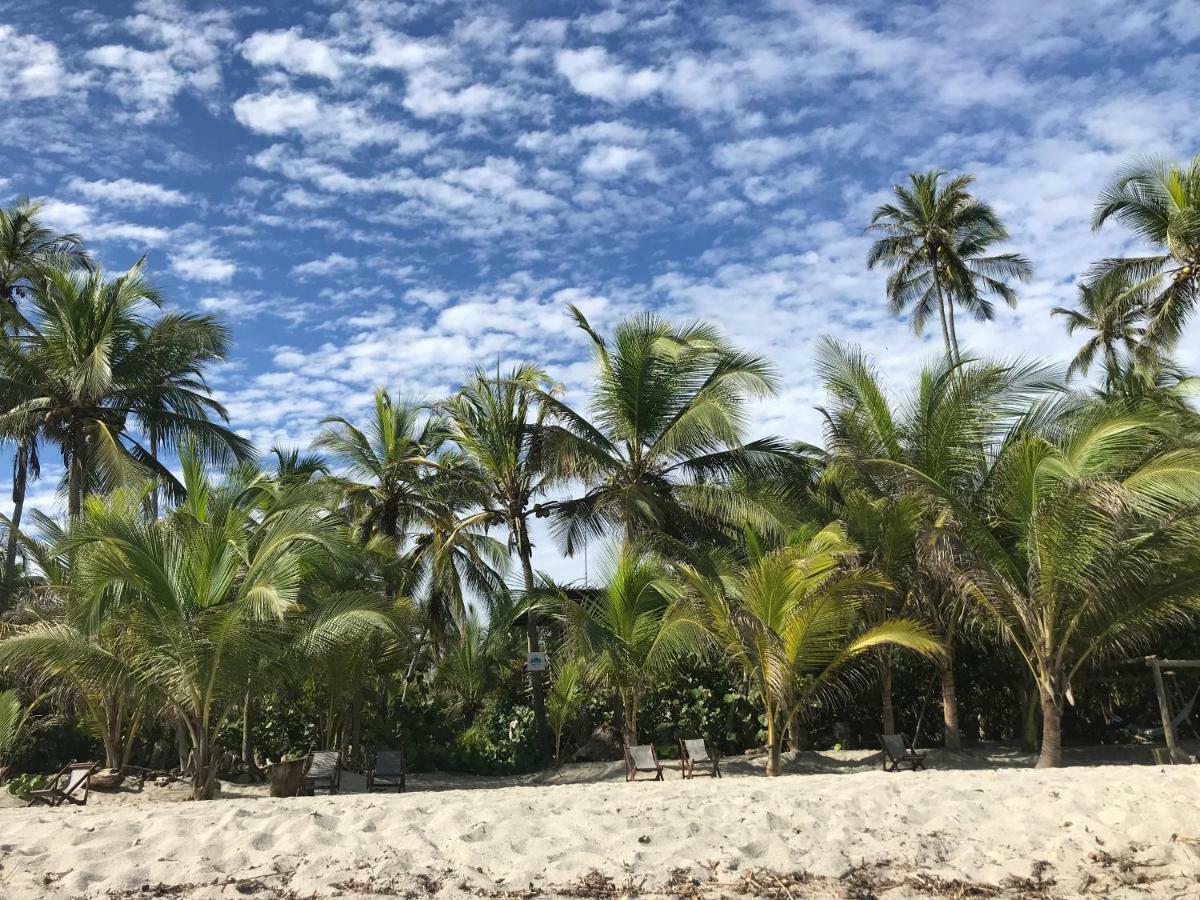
{"x":15,"y":722}
{"x":25,"y":784}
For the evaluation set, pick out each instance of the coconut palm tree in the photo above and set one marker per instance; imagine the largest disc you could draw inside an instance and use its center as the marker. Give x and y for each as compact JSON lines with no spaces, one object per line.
{"x":26,"y":248}
{"x":1085,"y":545}
{"x":946,"y":428}
{"x":1111,"y":310}
{"x":91,"y":372}
{"x":385,"y":465}
{"x":631,"y":630}
{"x":937,"y":240}
{"x":1160,"y":201}
{"x":88,"y":660}
{"x":792,"y":617}
{"x":663,"y":441}
{"x":498,"y":425}
{"x":212,"y":595}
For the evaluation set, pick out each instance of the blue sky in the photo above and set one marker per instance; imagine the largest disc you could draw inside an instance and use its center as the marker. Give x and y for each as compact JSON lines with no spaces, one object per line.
{"x":381,"y":193}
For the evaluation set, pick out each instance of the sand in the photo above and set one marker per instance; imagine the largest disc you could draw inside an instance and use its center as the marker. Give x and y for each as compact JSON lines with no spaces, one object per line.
{"x":975,"y":830}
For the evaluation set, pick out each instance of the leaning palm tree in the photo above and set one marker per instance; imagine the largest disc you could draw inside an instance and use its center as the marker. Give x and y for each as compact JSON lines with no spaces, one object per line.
{"x":946,"y":428}
{"x":631,"y":630}
{"x":663,"y":442}
{"x":497,"y":424}
{"x":92,"y":372}
{"x":1111,"y":310}
{"x":937,"y":240}
{"x":1160,"y":201}
{"x":792,"y":618}
{"x":26,"y":248}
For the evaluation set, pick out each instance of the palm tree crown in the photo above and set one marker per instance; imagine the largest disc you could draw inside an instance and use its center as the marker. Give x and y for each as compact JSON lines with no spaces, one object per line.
{"x":937,"y":240}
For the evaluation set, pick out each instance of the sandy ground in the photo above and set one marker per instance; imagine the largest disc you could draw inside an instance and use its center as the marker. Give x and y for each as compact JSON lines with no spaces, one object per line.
{"x":973,"y":826}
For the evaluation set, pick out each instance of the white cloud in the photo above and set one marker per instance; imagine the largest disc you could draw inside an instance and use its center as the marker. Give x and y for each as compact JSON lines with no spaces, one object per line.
{"x":756,"y":153}
{"x":591,"y":72}
{"x":293,"y":52}
{"x":124,"y":191}
{"x":35,"y":68}
{"x":198,"y":260}
{"x":330,"y":265}
{"x":431,"y":93}
{"x":612,"y":160}
{"x":399,"y":51}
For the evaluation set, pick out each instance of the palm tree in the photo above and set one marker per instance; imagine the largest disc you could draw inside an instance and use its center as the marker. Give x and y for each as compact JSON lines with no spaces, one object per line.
{"x":89,"y":660}
{"x":1085,"y":545}
{"x":497,"y":424}
{"x":663,"y":442}
{"x":208,"y":597}
{"x":1160,"y":202}
{"x":1111,"y":310}
{"x":791,"y":617}
{"x":631,"y":630}
{"x":936,"y":241}
{"x":945,"y":430}
{"x":89,"y":370}
{"x":26,"y":248}
{"x":385,"y":465}
{"x":568,"y":692}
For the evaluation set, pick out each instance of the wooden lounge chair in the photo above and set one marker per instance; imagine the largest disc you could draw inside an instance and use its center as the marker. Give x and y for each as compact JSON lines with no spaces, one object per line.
{"x":642,"y":758}
{"x":324,"y":772}
{"x":897,"y":752}
{"x":387,"y":772}
{"x":693,"y":752}
{"x":66,"y":785}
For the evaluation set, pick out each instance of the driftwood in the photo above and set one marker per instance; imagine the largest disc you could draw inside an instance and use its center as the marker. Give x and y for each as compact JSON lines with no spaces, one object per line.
{"x":286,"y":776}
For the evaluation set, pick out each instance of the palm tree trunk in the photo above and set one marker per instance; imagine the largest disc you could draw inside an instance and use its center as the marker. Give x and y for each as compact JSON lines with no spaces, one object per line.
{"x":796,"y":732}
{"x":889,"y":713}
{"x":154,"y":492}
{"x":774,"y":756}
{"x":953,"y":331}
{"x":20,"y":482}
{"x":75,"y":479}
{"x":629,"y":714}
{"x":545,"y":740}
{"x":937,"y":287}
{"x":1051,"y":755}
{"x":949,"y":701}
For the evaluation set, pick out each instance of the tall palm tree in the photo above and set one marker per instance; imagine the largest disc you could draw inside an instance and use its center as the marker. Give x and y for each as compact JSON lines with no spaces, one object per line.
{"x":631,"y":630}
{"x":1111,"y":310}
{"x":90,"y":371}
{"x":1160,"y":201}
{"x":792,"y":618}
{"x":946,"y":429}
{"x":1085,"y":547}
{"x":497,"y":424}
{"x":937,"y":241}
{"x":663,"y":441}
{"x":26,"y":248}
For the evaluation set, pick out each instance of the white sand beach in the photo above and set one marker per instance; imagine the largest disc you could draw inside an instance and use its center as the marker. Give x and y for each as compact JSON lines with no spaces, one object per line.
{"x":1100,"y":830}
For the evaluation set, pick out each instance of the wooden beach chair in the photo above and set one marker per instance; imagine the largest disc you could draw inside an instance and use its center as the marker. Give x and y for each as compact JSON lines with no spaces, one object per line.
{"x":897,"y":753}
{"x":324,"y":772}
{"x":66,"y":786}
{"x":693,"y":753}
{"x":387,"y":772}
{"x":642,"y":758}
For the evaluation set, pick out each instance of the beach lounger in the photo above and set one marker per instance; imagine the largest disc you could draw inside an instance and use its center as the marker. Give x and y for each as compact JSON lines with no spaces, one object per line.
{"x":897,"y":753}
{"x":693,"y":753}
{"x":642,"y":758}
{"x":387,"y":771}
{"x":66,"y":786}
{"x":324,"y":772}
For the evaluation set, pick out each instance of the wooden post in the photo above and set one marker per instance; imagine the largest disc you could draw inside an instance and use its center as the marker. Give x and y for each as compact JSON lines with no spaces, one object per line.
{"x":1164,"y":708}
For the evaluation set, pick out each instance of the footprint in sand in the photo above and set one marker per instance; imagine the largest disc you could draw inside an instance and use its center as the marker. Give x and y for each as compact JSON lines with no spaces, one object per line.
{"x":477,"y":833}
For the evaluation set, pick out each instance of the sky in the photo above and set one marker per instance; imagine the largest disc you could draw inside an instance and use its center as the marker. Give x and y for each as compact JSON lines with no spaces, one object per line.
{"x":387,"y":194}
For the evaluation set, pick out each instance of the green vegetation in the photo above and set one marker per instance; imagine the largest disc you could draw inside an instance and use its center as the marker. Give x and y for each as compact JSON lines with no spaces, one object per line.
{"x":986,"y":539}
